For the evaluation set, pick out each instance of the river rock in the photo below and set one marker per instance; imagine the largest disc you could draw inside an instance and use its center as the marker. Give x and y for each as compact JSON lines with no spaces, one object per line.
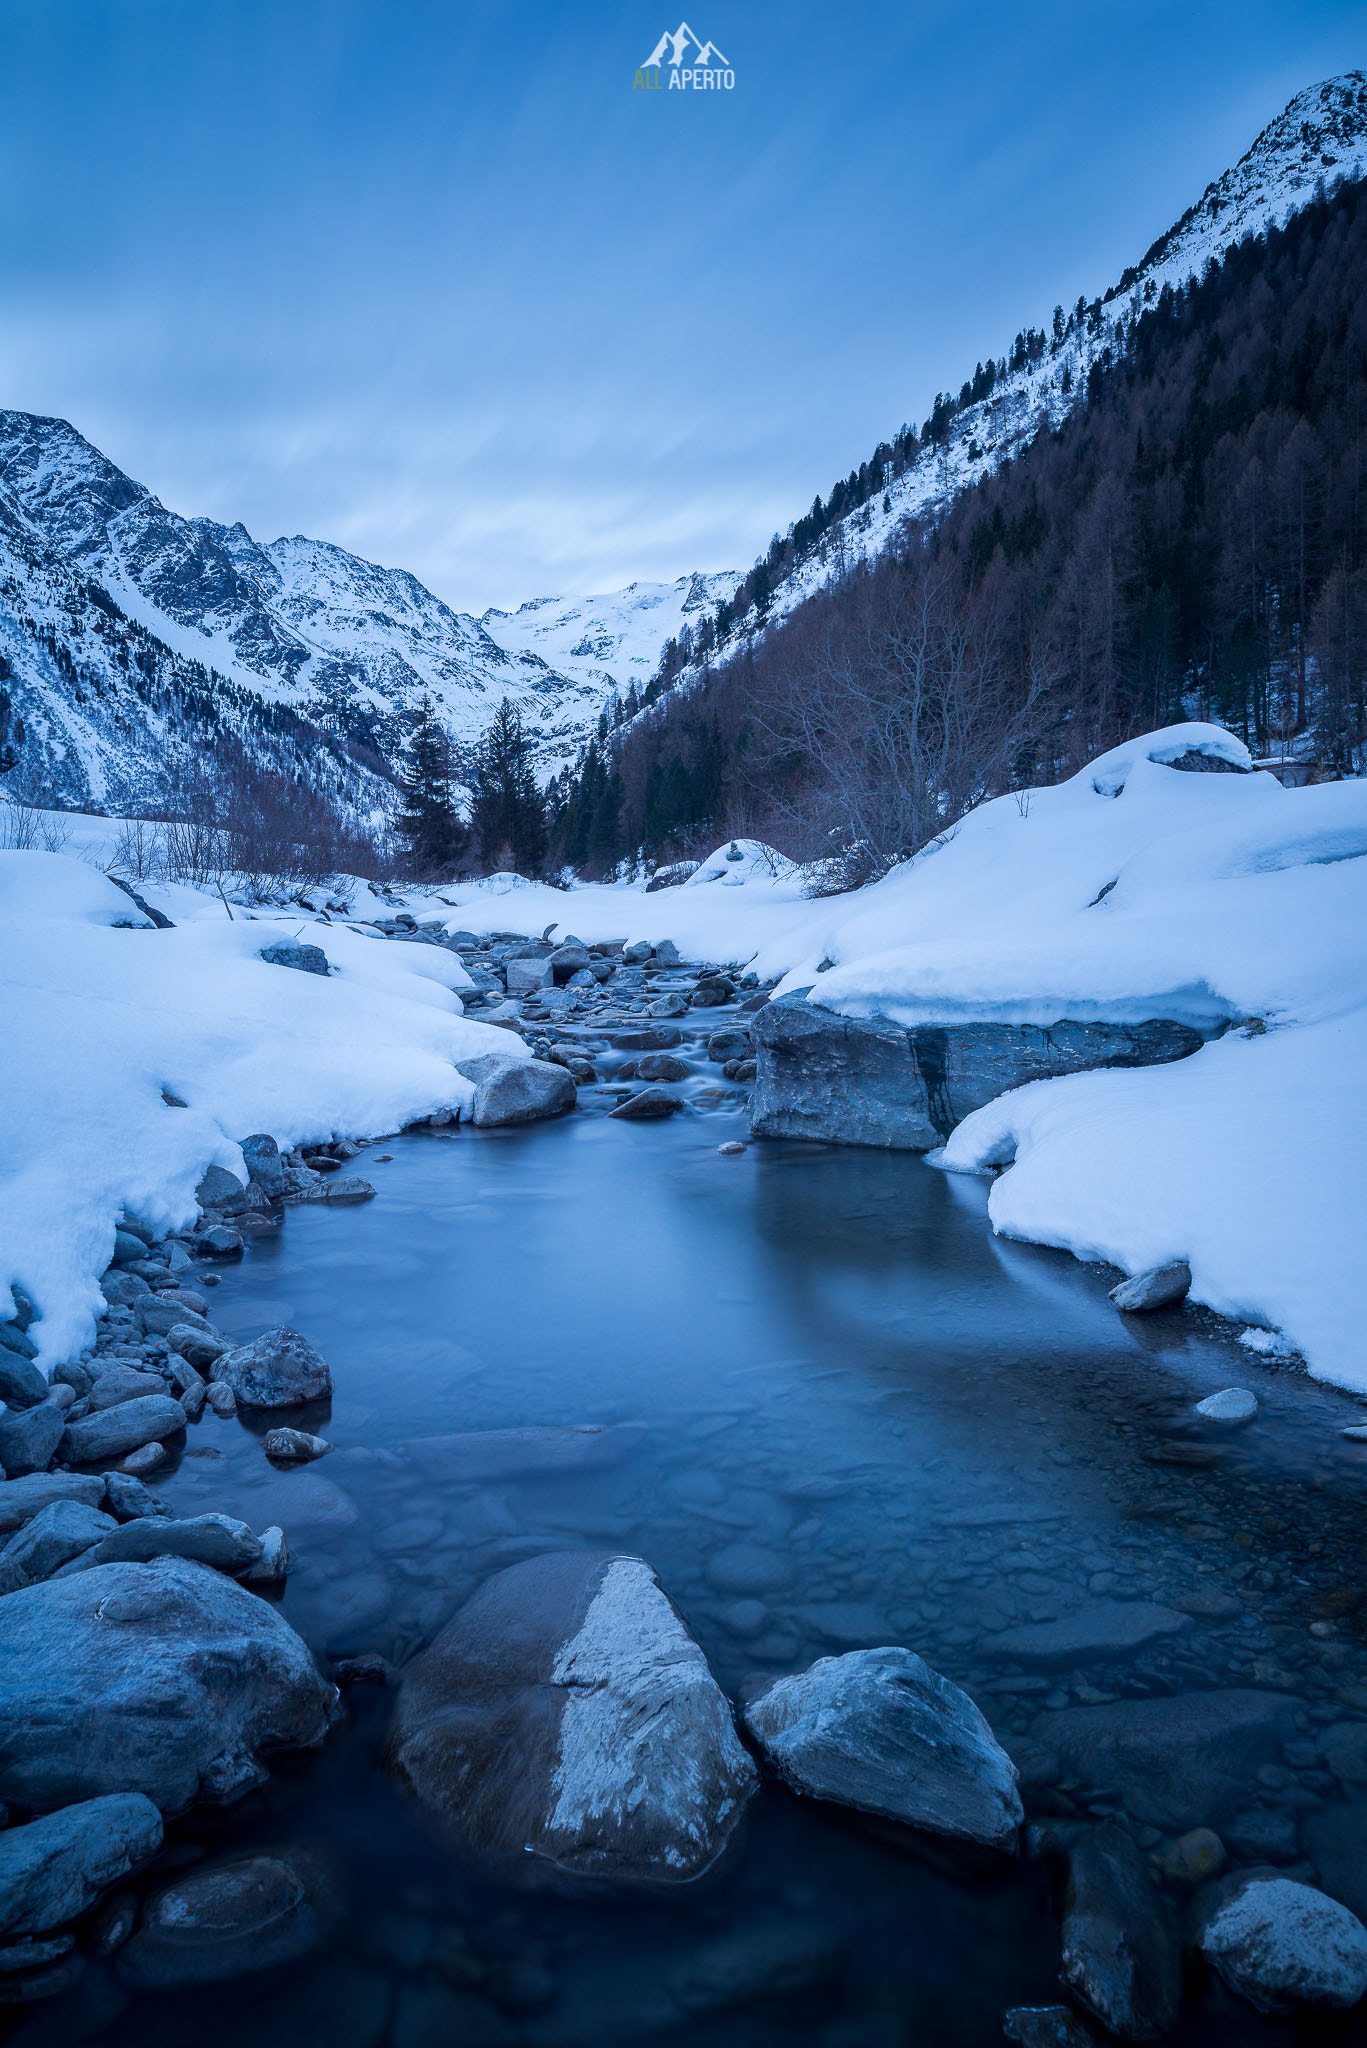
{"x":1048,"y":2026}
{"x":475,"y":1456}
{"x":1101,"y":1630}
{"x":123,"y":1383}
{"x":279,"y":1369}
{"x":226,"y":1919}
{"x":1285,"y":1947}
{"x":651,"y":1038}
{"x":217,"y":1186}
{"x":880,"y":1731}
{"x":29,"y":1436}
{"x":261,"y":1156}
{"x":294,"y":1446}
{"x":53,"y":1869}
{"x":218,"y":1540}
{"x":512,"y":1091}
{"x":305,"y":959}
{"x":21,"y":1499}
{"x":57,"y":1533}
{"x":1122,"y":1959}
{"x":868,"y":1081}
{"x":526,"y":976}
{"x":675,"y":1004}
{"x":165,"y":1678}
{"x":1231,"y":1404}
{"x":121,"y":1290}
{"x":731,"y":1043}
{"x":219,"y":1241}
{"x":1159,"y":1287}
{"x":128,"y":1500}
{"x":659,"y":1066}
{"x":566,"y":1715}
{"x":151,"y":1418}
{"x":648,"y":1106}
{"x":1176,"y":1763}
{"x":21,"y":1383}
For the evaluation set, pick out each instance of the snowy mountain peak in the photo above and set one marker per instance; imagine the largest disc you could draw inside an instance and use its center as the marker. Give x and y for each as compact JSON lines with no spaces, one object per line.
{"x":613,"y":640}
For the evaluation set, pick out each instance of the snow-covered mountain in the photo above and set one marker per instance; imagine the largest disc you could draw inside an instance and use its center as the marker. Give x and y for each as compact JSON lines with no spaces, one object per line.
{"x":612,"y":641}
{"x":1321,"y":137}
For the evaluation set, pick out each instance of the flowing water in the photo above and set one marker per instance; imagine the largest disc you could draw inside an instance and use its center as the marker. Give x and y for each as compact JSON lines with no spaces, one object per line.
{"x":866,"y":1420}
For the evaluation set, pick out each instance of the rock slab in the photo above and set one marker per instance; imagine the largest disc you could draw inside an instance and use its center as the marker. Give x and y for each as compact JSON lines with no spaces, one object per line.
{"x":55,"y":1868}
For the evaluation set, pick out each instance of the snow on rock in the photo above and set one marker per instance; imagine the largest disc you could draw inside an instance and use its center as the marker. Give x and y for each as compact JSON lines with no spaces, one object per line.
{"x":738,"y":861}
{"x":102,"y":1024}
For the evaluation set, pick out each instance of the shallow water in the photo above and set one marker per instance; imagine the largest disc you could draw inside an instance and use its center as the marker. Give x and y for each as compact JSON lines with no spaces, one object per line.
{"x":867,"y":1420}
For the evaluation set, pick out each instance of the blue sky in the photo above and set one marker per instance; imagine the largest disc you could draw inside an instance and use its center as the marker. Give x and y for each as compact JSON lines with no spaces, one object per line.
{"x":432,"y":281}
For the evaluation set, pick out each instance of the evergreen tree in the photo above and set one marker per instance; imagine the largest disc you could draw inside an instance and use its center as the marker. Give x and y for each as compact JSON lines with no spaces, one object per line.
{"x":508,"y":812}
{"x":429,"y":823}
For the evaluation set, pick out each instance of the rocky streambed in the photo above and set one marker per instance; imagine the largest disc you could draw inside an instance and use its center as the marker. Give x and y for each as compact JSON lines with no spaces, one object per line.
{"x":666,"y":1593}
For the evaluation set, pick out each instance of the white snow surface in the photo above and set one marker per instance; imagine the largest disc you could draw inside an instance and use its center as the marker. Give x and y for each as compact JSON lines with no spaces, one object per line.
{"x":100,"y":1020}
{"x":609,"y":641}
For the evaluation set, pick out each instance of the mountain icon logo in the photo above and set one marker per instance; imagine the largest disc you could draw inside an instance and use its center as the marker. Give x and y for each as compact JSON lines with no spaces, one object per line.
{"x":688,"y":61}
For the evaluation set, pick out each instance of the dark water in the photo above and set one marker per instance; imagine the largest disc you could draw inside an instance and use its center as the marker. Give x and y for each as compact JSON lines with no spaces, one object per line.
{"x":867,"y":1421}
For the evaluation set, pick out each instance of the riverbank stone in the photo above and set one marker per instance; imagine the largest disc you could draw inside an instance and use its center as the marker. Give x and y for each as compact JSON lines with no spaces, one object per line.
{"x":146,"y":1419}
{"x":217,"y":1540}
{"x":879,"y":1731}
{"x":566,"y":1723}
{"x":1231,"y":1404}
{"x":58,"y":1532}
{"x":1283,"y":1946}
{"x":1159,"y":1287}
{"x":21,"y":1383}
{"x":29,"y":1437}
{"x":1100,"y":1630}
{"x":648,"y":1106}
{"x":278,"y":1369}
{"x":21,"y":1499}
{"x":1121,"y":1954}
{"x":166,"y":1678}
{"x":54,"y":1869}
{"x":227,"y":1919}
{"x":512,"y":1091}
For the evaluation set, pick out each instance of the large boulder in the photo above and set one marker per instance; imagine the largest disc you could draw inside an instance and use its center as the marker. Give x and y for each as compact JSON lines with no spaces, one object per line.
{"x":1122,"y":1959}
{"x":218,"y":1540}
{"x":227,"y":1919}
{"x":21,"y":1499}
{"x":880,"y":1731}
{"x":163,"y":1678}
{"x":513,"y":1091}
{"x":868,"y":1081}
{"x":279,"y":1369}
{"x":150,"y":1419}
{"x":21,"y":1383}
{"x":55,"y":1868}
{"x":567,"y":1721}
{"x":1283,"y":1946}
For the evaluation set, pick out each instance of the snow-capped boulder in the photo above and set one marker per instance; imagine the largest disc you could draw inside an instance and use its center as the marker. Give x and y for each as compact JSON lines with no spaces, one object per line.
{"x":566,"y":1722}
{"x":880,"y":1731}
{"x":509,"y":1090}
{"x":305,"y":959}
{"x":278,"y":1369}
{"x":164,"y":1678}
{"x":1283,"y":1946}
{"x":54,"y":1869}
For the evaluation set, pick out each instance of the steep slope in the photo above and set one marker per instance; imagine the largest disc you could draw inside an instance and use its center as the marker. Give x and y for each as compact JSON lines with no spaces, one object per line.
{"x":612,"y":641}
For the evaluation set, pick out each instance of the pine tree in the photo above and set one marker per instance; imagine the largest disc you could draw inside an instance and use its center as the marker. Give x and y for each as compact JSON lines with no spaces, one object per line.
{"x":508,"y":812}
{"x":429,"y":823}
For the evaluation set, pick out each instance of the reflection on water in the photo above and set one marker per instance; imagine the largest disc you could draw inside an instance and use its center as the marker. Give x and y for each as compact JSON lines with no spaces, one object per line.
{"x":867,"y":1421}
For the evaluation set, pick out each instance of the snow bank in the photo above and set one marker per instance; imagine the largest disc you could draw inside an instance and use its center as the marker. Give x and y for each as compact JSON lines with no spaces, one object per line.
{"x":102,"y":1023}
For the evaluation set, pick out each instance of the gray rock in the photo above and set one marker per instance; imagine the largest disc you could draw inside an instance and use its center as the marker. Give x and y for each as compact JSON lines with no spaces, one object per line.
{"x":163,"y":1678}
{"x":188,"y":1298}
{"x":670,"y":877}
{"x":653,"y":1038}
{"x":272,"y":1567}
{"x":21,"y":1384}
{"x":279,"y":1369}
{"x":192,"y":1354}
{"x":637,"y":953}
{"x":566,"y":962}
{"x":660,"y":1066}
{"x":127,"y":1248}
{"x":1285,"y":1947}
{"x":1231,"y":1404}
{"x":294,"y":1446}
{"x":17,"y":1342}
{"x":868,"y":1081}
{"x":21,"y":1499}
{"x":261,"y":1156}
{"x":566,"y":1719}
{"x":732,"y":1043}
{"x":121,"y":1290}
{"x":712,"y":991}
{"x":123,"y":1383}
{"x":148,"y":1420}
{"x":1176,"y":1763}
{"x":308,"y":959}
{"x":513,"y":1091}
{"x":525,"y":976}
{"x":54,"y":1869}
{"x":1122,"y":1959}
{"x":219,"y":1241}
{"x":217,"y":1540}
{"x":880,"y":1731}
{"x":1048,"y":2026}
{"x":221,"y":1398}
{"x":58,"y":1532}
{"x":129,"y":1500}
{"x":339,"y":1189}
{"x":1100,"y":1630}
{"x":218,"y":1186}
{"x":145,"y":1458}
{"x":227,"y":1919}
{"x":299,"y":1183}
{"x":157,"y":1318}
{"x":30,"y":1436}
{"x":648,"y":1106}
{"x":672,"y":1005}
{"x":1159,"y":1287}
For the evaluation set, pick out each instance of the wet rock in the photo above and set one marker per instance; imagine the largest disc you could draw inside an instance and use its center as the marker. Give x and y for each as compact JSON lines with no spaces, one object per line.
{"x":1121,"y":1955}
{"x":880,"y":1731}
{"x":660,"y":1066}
{"x":712,"y":991}
{"x":1048,"y":2026}
{"x":127,"y":1248}
{"x":1283,"y":1946}
{"x":54,"y":1869}
{"x":472,"y":1457}
{"x":648,"y":1106}
{"x":21,"y":1499}
{"x":261,"y":1156}
{"x":306,"y":959}
{"x":666,"y":954}
{"x":512,"y":1091}
{"x":145,"y":1459}
{"x":294,"y":1446}
{"x":227,"y":1919}
{"x":652,"y":1038}
{"x":149,"y":1419}
{"x":123,"y":1383}
{"x":1194,"y":1858}
{"x":218,"y":1186}
{"x":29,"y":1437}
{"x":637,"y":953}
{"x":186,"y":1297}
{"x":526,"y":976}
{"x":121,"y":1290}
{"x":732,"y":1043}
{"x":1263,"y":1834}
{"x":157,"y":1317}
{"x":128,"y":1500}
{"x":21,"y":1383}
{"x":339,"y":1189}
{"x":1102,"y":1630}
{"x":1231,"y":1404}
{"x":272,"y":1566}
{"x":1159,"y":1287}
{"x":219,"y":1241}
{"x":732,"y":1148}
{"x":566,"y":1715}
{"x":279,"y":1369}
{"x":674,"y":1004}
{"x":221,"y":1398}
{"x":867,"y":1081}
{"x":567,"y":961}
{"x":1176,"y":1763}
{"x":53,"y":1536}
{"x":217,"y":1540}
{"x":164,"y":1678}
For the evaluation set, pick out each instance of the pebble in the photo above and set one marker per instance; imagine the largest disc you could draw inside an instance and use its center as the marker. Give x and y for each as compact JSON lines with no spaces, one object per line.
{"x":145,"y":1459}
{"x":733,"y":1146}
